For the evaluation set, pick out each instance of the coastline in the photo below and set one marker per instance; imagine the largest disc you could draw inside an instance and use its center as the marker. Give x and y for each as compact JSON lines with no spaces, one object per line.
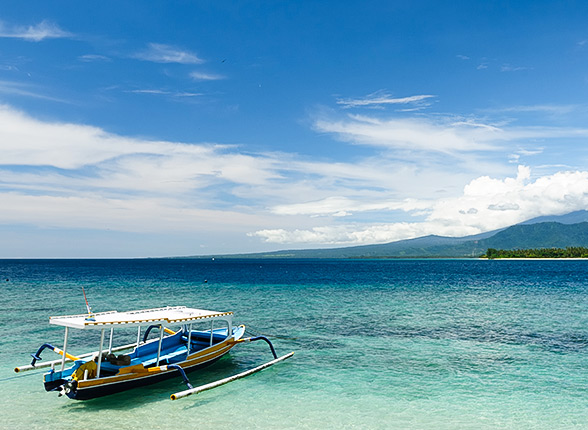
{"x":534,"y":259}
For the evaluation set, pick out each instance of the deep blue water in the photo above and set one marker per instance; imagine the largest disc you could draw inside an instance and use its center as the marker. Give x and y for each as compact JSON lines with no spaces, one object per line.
{"x":427,"y":344}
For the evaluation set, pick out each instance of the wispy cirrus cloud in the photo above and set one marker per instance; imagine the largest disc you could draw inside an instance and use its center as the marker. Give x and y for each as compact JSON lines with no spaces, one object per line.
{"x":380,"y":98}
{"x":94,"y":58}
{"x":516,"y":156}
{"x":540,"y":108}
{"x":179,"y":94}
{"x":340,"y":206}
{"x":160,"y":53}
{"x":34,"y":33}
{"x":23,"y":89}
{"x":437,"y":134}
{"x":414,"y":134}
{"x":201,"y":76}
{"x":8,"y":68}
{"x":511,"y":68}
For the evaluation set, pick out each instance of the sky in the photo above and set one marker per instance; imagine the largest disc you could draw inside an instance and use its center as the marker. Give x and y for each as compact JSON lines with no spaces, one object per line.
{"x":168,"y":128}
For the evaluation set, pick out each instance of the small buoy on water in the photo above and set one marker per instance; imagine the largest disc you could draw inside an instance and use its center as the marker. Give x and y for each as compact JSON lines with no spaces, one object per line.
{"x":206,"y":281}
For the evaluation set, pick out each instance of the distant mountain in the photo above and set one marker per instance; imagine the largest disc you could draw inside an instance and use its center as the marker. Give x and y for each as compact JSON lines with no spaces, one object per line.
{"x":542,"y":235}
{"x":521,"y":236}
{"x":542,"y":232}
{"x":571,"y":218}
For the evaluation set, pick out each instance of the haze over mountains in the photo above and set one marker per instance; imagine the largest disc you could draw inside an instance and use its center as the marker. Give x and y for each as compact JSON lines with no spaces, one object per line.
{"x":542,"y":232}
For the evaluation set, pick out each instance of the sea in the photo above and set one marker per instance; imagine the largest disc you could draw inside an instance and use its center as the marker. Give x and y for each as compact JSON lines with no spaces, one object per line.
{"x":378,"y":344}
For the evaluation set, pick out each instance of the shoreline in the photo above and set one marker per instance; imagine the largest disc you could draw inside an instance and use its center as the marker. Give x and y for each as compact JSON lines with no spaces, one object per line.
{"x":537,"y":258}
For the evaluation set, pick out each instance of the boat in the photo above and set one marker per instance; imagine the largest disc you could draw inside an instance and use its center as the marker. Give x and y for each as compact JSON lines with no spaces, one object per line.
{"x":201,"y":337}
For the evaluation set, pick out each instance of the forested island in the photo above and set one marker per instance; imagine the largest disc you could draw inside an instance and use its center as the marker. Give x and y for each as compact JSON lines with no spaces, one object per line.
{"x":569,"y":252}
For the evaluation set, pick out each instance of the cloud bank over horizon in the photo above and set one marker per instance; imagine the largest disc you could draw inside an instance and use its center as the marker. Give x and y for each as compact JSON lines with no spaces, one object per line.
{"x":58,"y":175}
{"x":486,"y":204}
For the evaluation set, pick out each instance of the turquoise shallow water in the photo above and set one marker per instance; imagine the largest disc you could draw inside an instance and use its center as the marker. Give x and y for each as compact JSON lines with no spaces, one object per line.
{"x":401,"y":344}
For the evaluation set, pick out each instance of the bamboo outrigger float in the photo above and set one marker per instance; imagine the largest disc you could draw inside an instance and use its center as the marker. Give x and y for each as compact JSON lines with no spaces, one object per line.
{"x":101,"y":372}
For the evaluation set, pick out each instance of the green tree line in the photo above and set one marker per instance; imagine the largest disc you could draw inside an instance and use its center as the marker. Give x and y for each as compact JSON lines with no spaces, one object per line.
{"x":569,"y":252}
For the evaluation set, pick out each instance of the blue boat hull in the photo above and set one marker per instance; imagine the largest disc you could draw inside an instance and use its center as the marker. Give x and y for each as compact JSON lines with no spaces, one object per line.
{"x":139,"y":368}
{"x":117,"y":387}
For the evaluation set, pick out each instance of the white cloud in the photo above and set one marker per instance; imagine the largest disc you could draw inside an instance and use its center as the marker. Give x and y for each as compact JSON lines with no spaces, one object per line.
{"x":25,"y":90}
{"x":503,"y":207}
{"x":518,"y":199}
{"x":34,"y":33}
{"x":530,"y":151}
{"x":142,"y":164}
{"x":347,"y":235}
{"x":158,"y":92}
{"x":165,"y":93}
{"x":486,"y":204}
{"x":8,"y":68}
{"x":135,"y":214}
{"x":61,"y":175}
{"x":342,"y":206}
{"x":414,"y":134}
{"x":91,"y":58}
{"x":68,"y":175}
{"x":541,"y":108}
{"x":201,"y":76}
{"x":440,"y":134}
{"x":381,"y":98}
{"x":55,"y":164}
{"x":160,"y":53}
{"x":510,"y":68}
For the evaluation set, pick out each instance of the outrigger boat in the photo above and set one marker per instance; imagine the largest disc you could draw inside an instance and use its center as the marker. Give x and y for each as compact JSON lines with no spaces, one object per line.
{"x":101,"y":372}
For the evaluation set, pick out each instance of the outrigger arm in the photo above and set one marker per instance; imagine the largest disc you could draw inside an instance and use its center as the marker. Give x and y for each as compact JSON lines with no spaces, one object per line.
{"x":60,"y":352}
{"x":191,"y":390}
{"x":37,"y":356}
{"x":253,"y":339}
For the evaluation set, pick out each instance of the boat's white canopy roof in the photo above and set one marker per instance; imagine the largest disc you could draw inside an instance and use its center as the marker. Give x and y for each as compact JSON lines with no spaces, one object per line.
{"x":167,"y":315}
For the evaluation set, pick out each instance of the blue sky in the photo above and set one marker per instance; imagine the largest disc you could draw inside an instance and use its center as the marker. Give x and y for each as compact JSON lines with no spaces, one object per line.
{"x":132,"y":129}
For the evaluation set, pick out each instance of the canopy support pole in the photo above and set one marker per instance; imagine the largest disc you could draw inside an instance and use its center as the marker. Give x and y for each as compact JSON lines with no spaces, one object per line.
{"x":64,"y":349}
{"x":138,"y":336}
{"x":159,"y":346}
{"x":211,"y":331}
{"x":100,"y":353}
{"x":189,"y":338}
